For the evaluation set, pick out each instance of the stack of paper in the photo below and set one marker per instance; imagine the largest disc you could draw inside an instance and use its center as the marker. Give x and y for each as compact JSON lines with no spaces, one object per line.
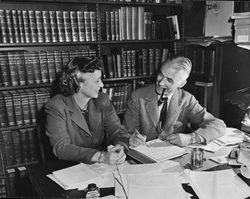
{"x":217,"y":184}
{"x":150,"y":181}
{"x":159,"y":150}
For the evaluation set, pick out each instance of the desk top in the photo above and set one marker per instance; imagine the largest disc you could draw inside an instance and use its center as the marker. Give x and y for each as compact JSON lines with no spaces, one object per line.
{"x":45,"y":187}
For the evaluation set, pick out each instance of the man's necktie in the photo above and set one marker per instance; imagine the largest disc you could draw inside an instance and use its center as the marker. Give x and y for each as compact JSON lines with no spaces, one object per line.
{"x":163,"y":114}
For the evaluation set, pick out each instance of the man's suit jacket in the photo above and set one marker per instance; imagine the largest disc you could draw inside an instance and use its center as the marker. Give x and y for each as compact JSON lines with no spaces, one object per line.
{"x":143,"y":114}
{"x":70,"y":136}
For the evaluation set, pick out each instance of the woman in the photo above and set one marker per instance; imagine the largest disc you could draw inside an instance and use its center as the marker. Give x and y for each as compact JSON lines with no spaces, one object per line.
{"x":79,"y":118}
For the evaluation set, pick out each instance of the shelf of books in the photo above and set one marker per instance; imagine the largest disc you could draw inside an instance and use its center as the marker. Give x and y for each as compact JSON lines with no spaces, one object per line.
{"x":37,"y":39}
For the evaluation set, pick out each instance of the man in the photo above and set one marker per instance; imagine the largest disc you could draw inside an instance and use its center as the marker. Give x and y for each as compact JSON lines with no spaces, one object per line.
{"x":80,"y":117}
{"x":183,"y":110}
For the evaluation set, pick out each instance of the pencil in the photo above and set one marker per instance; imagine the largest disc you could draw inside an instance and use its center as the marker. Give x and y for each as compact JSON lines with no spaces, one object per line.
{"x":145,"y":143}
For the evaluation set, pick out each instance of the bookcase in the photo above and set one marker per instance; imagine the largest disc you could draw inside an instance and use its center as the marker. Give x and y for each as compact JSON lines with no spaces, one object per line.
{"x":38,"y":37}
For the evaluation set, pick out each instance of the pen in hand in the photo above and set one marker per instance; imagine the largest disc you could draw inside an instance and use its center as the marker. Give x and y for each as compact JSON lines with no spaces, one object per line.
{"x":142,"y":137}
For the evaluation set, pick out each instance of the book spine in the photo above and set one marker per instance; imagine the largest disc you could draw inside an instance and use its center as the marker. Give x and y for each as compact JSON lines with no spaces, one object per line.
{"x":13,"y":68}
{"x":36,"y":67}
{"x":134,"y":23}
{"x":43,"y":66}
{"x":8,"y":147}
{"x":54,"y":27}
{"x":212,"y":61}
{"x":29,"y":67}
{"x":124,"y":63}
{"x":120,"y":65}
{"x":117,"y":26}
{"x":141,"y":23}
{"x":145,"y":61}
{"x":146,"y":24}
{"x":16,"y":140}
{"x":39,"y":100}
{"x":3,"y":26}
{"x":2,"y":170}
{"x":33,"y":27}
{"x":3,"y":113}
{"x":39,"y":26}
{"x":128,"y":22}
{"x":21,"y":26}
{"x":150,"y":22}
{"x":151,"y":61}
{"x":139,"y":61}
{"x":65,"y":57}
{"x":74,"y":26}
{"x":9,"y":108}
{"x":19,"y":59}
{"x":32,"y":144}
{"x":81,"y":25}
{"x":17,"y":108}
{"x":114,"y":64}
{"x":93,"y":25}
{"x":117,"y":59}
{"x":5,"y":68}
{"x":67,"y":26}
{"x":123,"y":30}
{"x":15,"y":26}
{"x":102,"y":26}
{"x":158,"y":59}
{"x":51,"y":65}
{"x":129,"y":63}
{"x":87,"y":25}
{"x":60,"y":26}
{"x":108,"y":25}
{"x":25,"y":107}
{"x":109,"y":65}
{"x":112,"y":25}
{"x":46,"y":26}
{"x":10,"y":28}
{"x":24,"y":144}
{"x":26,"y":25}
{"x":58,"y":62}
{"x":32,"y":105}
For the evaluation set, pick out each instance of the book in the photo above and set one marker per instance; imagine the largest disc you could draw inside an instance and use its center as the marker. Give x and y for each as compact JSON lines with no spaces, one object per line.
{"x":128,"y":15}
{"x":120,"y":69}
{"x":58,"y":63}
{"x":175,"y":26}
{"x":170,"y":29}
{"x":16,"y":140}
{"x":17,"y":106}
{"x":141,"y":22}
{"x":122,"y":17}
{"x":146,"y":25}
{"x":129,"y":63}
{"x":108,"y":63}
{"x":93,"y":25}
{"x":114,"y":64}
{"x":134,"y":23}
{"x":81,"y":25}
{"x":8,"y":147}
{"x":112,"y":26}
{"x":86,"y":15}
{"x":117,"y":25}
{"x":158,"y":59}
{"x":133,"y":63}
{"x":139,"y":62}
{"x":124,"y":63}
{"x":108,"y":26}
{"x":43,"y":66}
{"x":3,"y":113}
{"x":4,"y":64}
{"x":145,"y":61}
{"x":32,"y":105}
{"x":28,"y":59}
{"x":15,"y":26}
{"x":2,"y":168}
{"x":33,"y":26}
{"x":102,"y":32}
{"x":53,"y":26}
{"x":151,"y":61}
{"x":65,"y":57}
{"x":13,"y":68}
{"x":20,"y":26}
{"x":26,"y":25}
{"x":21,"y":69}
{"x":11,"y":173}
{"x":10,"y":28}
{"x":165,"y":55}
{"x":25,"y":106}
{"x":24,"y":145}
{"x":39,"y":26}
{"x":74,"y":26}
{"x":46,"y":26}
{"x":32,"y":144}
{"x":242,"y":22}
{"x":3,"y":25}
{"x":60,"y":26}
{"x":36,"y":66}
{"x":51,"y":65}
{"x":67,"y":26}
{"x":9,"y":108}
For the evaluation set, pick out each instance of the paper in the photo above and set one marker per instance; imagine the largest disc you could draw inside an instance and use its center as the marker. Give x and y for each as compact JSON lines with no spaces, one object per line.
{"x":212,"y":146}
{"x":74,"y":176}
{"x":220,"y":159}
{"x":159,"y":150}
{"x":217,"y":184}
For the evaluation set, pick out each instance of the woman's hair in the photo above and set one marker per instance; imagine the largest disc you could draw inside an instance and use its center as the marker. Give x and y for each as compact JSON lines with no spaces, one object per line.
{"x":69,"y":82}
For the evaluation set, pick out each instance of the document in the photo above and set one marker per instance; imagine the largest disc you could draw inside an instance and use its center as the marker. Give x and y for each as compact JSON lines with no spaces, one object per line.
{"x":217,"y":184}
{"x":159,"y":150}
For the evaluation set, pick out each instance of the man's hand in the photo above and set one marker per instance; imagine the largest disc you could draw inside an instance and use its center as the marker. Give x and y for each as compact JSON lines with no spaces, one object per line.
{"x":136,"y":139}
{"x":179,"y":139}
{"x":114,"y":155}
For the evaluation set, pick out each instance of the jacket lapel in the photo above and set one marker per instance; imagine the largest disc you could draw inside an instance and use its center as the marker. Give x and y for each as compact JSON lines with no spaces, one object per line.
{"x":95,"y":115}
{"x":76,"y":115}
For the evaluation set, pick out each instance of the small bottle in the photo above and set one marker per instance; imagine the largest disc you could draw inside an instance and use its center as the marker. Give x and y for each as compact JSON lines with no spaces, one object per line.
{"x":92,"y":191}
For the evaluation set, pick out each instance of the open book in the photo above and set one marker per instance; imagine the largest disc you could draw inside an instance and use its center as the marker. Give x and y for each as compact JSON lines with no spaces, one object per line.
{"x":159,"y":150}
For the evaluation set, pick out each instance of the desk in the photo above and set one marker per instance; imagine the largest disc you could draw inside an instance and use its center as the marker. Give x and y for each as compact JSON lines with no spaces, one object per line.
{"x":46,"y":188}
